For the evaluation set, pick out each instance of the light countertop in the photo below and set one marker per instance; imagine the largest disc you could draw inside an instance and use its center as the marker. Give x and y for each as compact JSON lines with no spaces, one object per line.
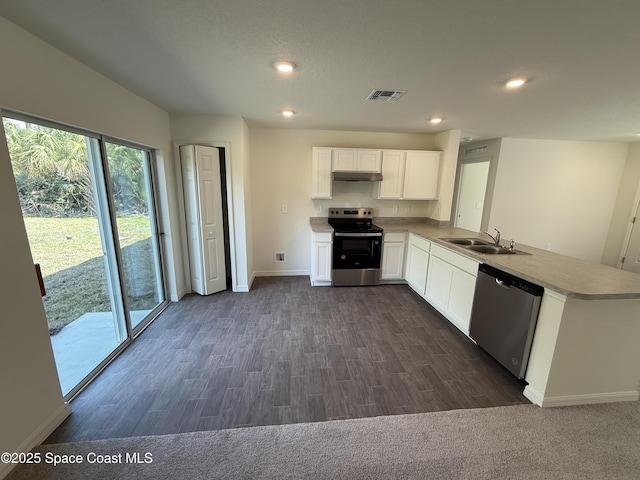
{"x":566,"y":275}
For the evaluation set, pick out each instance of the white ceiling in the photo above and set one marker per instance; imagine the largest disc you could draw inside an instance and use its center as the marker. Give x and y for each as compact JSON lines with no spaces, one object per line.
{"x":452,"y":56}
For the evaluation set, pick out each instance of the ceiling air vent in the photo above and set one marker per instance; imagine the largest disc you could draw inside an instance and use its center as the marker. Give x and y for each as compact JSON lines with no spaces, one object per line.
{"x":476,"y":150}
{"x":386,"y":95}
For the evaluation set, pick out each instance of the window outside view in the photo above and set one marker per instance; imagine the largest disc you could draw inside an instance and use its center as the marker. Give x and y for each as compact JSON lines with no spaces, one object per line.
{"x":63,"y":199}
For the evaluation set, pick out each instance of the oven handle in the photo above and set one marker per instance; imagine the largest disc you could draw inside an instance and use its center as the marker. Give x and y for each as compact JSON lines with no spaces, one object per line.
{"x":339,"y":234}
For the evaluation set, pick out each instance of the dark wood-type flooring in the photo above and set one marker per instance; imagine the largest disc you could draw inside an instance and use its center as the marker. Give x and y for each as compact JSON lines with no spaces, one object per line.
{"x":285,"y":353}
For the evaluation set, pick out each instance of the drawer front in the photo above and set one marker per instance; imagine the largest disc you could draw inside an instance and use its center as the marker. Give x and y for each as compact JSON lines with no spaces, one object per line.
{"x":394,"y":237}
{"x":463,"y":262}
{"x":322,"y":236}
{"x":419,"y":242}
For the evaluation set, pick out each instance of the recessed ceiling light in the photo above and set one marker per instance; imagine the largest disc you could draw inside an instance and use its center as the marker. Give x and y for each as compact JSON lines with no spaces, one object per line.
{"x":285,"y":66}
{"x":436,"y":120}
{"x":516,"y":82}
{"x":288,"y":113}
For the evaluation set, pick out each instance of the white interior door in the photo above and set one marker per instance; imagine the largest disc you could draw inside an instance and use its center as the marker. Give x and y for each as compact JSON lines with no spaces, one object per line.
{"x":205,"y":227}
{"x":632,"y":255}
{"x":473,"y":185}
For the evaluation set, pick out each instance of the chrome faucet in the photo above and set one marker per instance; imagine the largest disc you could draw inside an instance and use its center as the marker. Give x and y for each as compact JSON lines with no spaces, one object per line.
{"x":495,"y":239}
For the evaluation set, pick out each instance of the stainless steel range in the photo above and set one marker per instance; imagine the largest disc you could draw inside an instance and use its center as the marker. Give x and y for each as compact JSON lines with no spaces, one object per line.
{"x":357,"y":247}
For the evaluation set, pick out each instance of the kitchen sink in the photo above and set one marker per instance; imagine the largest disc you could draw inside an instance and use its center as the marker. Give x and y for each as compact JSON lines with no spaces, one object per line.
{"x":491,"y":249}
{"x":482,"y":246}
{"x":466,"y":242}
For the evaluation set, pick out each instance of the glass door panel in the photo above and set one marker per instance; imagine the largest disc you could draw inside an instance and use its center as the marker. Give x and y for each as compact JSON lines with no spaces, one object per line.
{"x":61,"y":188}
{"x":132,"y":193}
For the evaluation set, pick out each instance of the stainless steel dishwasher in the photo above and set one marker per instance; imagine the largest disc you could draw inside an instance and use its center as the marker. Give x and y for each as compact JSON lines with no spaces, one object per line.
{"x":504,"y":315}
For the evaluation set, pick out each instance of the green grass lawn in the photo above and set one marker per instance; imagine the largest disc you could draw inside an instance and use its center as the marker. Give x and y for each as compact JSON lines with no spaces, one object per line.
{"x":70,"y":255}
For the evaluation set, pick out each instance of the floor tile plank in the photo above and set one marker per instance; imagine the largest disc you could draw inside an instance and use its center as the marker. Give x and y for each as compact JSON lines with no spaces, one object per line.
{"x":287,"y":352}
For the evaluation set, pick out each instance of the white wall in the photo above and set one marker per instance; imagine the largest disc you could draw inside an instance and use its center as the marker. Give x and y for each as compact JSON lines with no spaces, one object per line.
{"x":210,"y":129}
{"x":561,"y":192}
{"x":448,"y":142}
{"x":624,"y":208}
{"x":281,"y":175}
{"x":40,"y":80}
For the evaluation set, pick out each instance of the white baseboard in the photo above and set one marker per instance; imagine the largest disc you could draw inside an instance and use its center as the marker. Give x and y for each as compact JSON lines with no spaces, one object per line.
{"x":177,"y":297}
{"x":282,"y":273}
{"x":533,"y":395}
{"x":39,"y":436}
{"x":583,"y":399}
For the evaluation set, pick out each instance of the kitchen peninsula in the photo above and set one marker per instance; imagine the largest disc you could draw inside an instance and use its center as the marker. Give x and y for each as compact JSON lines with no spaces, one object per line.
{"x":586,"y":347}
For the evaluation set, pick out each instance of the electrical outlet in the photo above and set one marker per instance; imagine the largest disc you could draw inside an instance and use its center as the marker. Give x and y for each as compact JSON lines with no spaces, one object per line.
{"x":319,"y":209}
{"x":284,"y":208}
{"x":278,"y":257}
{"x":395,"y":209}
{"x":547,"y":246}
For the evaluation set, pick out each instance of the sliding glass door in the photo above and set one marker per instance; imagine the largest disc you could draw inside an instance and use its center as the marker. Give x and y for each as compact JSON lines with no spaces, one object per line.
{"x":89,"y":211}
{"x":130,"y":181}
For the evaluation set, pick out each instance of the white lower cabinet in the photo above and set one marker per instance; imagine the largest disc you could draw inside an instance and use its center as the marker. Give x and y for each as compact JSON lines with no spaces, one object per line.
{"x":417,"y":263}
{"x":451,"y":282}
{"x":321,"y":250}
{"x":393,"y":247}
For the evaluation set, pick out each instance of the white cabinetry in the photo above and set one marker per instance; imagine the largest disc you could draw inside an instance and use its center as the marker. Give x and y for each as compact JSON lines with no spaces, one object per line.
{"x":321,"y":249}
{"x":321,"y":173}
{"x":451,"y":281}
{"x":421,"y":175}
{"x":354,"y":160}
{"x":392,"y":174}
{"x":409,"y":175}
{"x":417,"y":263}
{"x":393,"y":248}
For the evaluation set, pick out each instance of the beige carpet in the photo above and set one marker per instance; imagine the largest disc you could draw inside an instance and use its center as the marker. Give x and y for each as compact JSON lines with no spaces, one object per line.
{"x":518,"y":442}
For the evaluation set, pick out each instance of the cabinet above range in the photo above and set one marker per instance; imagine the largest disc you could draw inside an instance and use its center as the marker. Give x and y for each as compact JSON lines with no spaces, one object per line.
{"x":406,"y":174}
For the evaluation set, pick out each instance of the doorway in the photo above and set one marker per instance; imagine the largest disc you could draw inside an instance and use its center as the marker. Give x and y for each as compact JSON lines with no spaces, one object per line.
{"x":89,"y":210}
{"x":204,"y":182}
{"x":631,"y":255}
{"x":472,"y":190}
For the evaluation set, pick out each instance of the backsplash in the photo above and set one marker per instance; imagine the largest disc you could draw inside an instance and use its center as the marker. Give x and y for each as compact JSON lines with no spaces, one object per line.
{"x":360,"y":194}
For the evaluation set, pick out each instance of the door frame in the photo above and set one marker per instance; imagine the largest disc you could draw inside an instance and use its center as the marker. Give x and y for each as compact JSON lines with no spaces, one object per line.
{"x":478,"y":151}
{"x":488,"y":191}
{"x":635,"y":212}
{"x":102,"y":139}
{"x":460,"y":177}
{"x":227,"y":212}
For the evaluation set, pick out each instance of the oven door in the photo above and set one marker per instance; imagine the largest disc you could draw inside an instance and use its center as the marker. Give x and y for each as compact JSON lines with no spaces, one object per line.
{"x":356,"y":250}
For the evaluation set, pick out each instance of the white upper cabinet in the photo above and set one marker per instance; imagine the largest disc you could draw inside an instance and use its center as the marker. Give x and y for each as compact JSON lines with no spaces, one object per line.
{"x":406,"y":174}
{"x":392,"y":174}
{"x":321,"y":173}
{"x":369,"y":161}
{"x":355,"y":160}
{"x":409,"y":175}
{"x":421,"y":175}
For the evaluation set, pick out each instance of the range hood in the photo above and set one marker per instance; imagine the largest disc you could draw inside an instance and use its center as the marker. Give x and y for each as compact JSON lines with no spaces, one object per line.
{"x":357,"y":177}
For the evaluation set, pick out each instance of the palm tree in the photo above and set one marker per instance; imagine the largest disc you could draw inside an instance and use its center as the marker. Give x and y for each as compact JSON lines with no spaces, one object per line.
{"x":52,"y":168}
